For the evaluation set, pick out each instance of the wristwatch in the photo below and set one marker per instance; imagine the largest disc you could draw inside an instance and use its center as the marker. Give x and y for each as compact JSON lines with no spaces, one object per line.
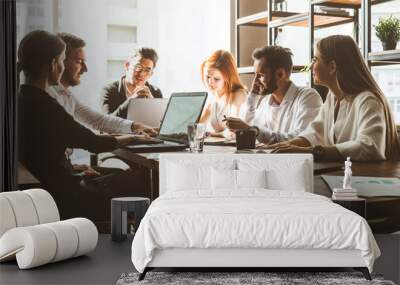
{"x":318,"y":151}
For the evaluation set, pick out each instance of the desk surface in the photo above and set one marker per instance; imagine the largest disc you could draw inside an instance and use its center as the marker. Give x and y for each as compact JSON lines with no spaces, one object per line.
{"x":102,"y":266}
{"x":150,"y":160}
{"x":378,"y":169}
{"x":383,"y":213}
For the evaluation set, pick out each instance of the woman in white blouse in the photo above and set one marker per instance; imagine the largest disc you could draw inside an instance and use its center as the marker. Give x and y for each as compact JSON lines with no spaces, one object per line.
{"x":355,"y":120}
{"x":220,"y":75}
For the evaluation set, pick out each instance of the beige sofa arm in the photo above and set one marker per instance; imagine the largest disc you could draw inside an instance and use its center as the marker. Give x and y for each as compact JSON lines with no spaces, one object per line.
{"x":41,"y":244}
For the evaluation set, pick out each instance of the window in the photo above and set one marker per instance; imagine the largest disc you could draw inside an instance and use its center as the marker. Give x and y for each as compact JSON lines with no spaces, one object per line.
{"x":114,"y":69}
{"x":32,"y":28}
{"x":121,"y":34}
{"x":18,"y":31}
{"x":31,"y":11}
{"x":388,"y":80}
{"x":40,"y":11}
{"x":123,"y":3}
{"x":183,"y":33}
{"x":387,"y":76}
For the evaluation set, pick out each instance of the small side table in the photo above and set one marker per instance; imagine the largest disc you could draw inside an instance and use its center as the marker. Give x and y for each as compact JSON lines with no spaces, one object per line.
{"x":120,"y":207}
{"x":358,"y":206}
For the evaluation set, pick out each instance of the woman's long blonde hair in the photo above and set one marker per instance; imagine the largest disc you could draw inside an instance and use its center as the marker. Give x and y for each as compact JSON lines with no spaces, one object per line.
{"x":225,"y":63}
{"x":354,"y":77}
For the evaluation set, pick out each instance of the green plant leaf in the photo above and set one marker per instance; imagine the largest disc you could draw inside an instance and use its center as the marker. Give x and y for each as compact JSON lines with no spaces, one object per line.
{"x":388,"y":29}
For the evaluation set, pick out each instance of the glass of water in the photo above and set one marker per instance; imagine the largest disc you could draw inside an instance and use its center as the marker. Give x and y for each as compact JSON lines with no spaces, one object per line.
{"x":196,"y":133}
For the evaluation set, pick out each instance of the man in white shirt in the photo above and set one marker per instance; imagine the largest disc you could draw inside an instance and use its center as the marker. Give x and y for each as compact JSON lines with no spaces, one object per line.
{"x":276,"y":108}
{"x":100,"y":183}
{"x":75,"y":66}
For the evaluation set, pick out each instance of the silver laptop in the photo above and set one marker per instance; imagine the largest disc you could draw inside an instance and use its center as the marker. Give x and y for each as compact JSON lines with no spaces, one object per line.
{"x":147,"y":111}
{"x":182,"y":109}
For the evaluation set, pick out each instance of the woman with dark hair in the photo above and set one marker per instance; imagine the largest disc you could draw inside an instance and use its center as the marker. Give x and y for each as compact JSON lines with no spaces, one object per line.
{"x":355,"y":120}
{"x":46,"y":130}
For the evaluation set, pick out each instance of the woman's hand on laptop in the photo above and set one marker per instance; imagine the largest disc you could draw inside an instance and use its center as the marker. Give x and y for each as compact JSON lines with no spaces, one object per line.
{"x":142,"y":129}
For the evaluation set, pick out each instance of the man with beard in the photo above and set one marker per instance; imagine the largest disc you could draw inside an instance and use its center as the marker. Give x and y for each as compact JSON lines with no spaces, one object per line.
{"x":277,"y":109}
{"x":75,"y":66}
{"x":103,"y":182}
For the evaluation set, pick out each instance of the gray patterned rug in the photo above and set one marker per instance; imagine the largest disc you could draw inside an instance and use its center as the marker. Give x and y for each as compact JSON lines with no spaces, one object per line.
{"x":243,"y":278}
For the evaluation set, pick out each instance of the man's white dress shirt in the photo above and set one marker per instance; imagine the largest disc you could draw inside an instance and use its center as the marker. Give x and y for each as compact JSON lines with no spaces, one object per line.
{"x":359,"y":131}
{"x":87,"y":116}
{"x":285,"y":121}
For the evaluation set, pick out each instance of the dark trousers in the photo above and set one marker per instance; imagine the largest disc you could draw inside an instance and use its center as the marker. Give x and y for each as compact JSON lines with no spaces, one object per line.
{"x":90,"y":197}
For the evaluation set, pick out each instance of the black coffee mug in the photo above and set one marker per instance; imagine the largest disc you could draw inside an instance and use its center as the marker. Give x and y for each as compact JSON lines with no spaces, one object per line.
{"x":245,"y":139}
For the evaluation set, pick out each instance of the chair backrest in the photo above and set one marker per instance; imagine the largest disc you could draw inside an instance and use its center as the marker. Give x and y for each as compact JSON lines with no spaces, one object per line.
{"x":26,"y":180}
{"x":292,"y":172}
{"x":26,"y":208}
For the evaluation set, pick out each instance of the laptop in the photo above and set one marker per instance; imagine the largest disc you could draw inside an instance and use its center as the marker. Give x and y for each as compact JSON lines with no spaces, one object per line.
{"x":147,"y":111}
{"x":182,"y":109}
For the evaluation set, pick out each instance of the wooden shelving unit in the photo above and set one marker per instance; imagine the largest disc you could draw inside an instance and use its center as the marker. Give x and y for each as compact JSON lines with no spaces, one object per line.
{"x":346,"y":3}
{"x":293,"y":19}
{"x":261,"y":24}
{"x":259,"y":27}
{"x":259,"y":19}
{"x":321,"y":20}
{"x":384,"y":57}
{"x":266,"y":22}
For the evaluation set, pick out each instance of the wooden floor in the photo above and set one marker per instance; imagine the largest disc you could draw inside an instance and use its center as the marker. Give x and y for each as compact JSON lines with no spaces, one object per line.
{"x":110,"y":259}
{"x":103,"y":266}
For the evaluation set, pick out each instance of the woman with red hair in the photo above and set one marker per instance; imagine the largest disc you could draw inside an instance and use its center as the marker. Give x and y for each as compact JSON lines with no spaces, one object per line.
{"x":219,"y":73}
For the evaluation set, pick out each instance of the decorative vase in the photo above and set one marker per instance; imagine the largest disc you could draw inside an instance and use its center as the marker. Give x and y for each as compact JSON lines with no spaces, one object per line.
{"x":389,"y":45}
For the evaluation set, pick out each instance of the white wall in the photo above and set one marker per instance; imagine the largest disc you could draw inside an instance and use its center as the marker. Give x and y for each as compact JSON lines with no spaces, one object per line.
{"x":88,"y":20}
{"x":185,"y":34}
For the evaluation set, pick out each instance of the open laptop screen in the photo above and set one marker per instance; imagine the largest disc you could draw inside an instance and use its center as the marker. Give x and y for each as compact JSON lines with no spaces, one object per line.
{"x":147,"y":111}
{"x":182,"y":109}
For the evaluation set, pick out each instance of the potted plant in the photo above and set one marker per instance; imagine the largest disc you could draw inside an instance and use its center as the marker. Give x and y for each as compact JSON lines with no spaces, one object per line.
{"x":388,"y":31}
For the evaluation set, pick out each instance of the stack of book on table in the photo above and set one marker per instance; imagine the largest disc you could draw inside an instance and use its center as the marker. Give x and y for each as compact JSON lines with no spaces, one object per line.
{"x":344,"y":194}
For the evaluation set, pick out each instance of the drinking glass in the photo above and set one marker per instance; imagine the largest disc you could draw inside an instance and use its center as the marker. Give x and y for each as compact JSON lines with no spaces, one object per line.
{"x":196,"y":133}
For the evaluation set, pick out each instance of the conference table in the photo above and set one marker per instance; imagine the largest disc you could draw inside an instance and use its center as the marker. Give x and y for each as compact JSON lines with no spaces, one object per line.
{"x":383,"y":213}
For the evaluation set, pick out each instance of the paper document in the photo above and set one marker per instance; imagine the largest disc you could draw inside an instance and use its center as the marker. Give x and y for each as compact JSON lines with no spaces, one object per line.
{"x":368,"y":186}
{"x":219,"y":141}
